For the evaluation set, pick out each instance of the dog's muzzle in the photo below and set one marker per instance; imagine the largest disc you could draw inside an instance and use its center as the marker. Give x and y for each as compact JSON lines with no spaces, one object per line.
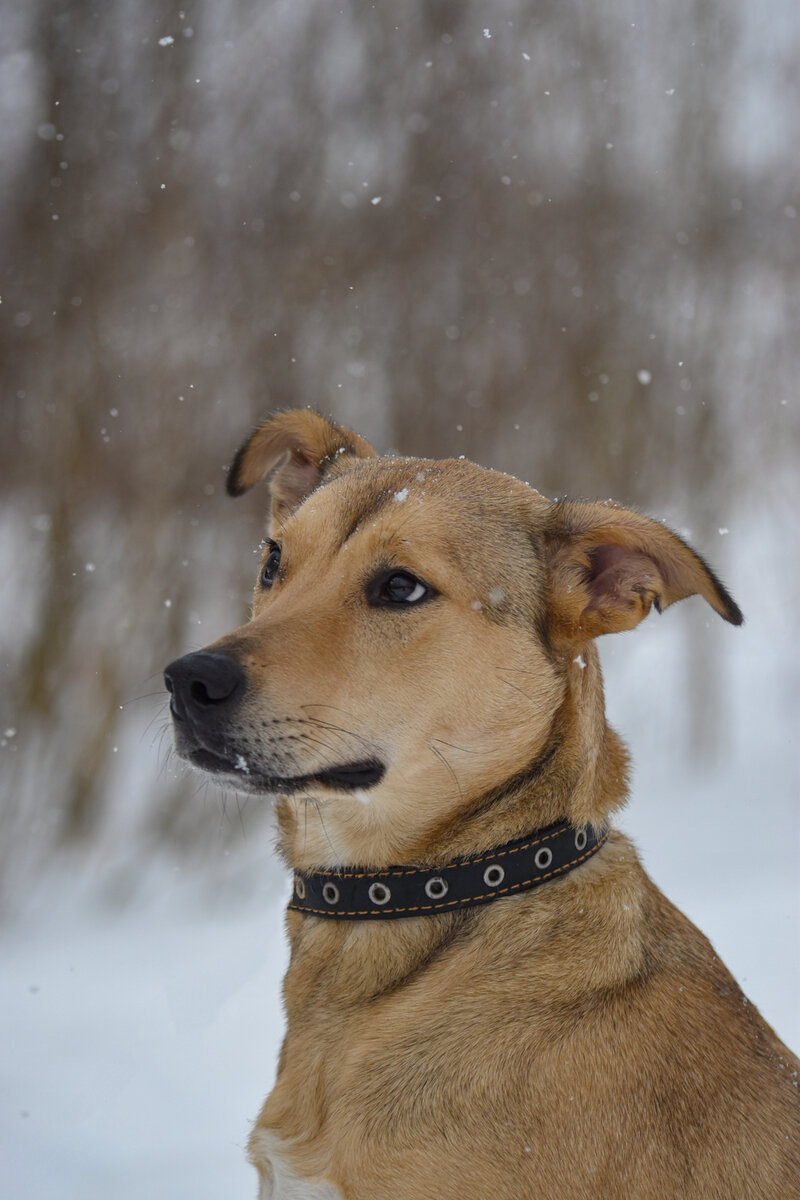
{"x":206,"y":689}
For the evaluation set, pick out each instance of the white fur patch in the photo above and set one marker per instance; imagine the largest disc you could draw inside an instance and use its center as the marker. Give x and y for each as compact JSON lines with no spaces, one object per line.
{"x":277,"y":1180}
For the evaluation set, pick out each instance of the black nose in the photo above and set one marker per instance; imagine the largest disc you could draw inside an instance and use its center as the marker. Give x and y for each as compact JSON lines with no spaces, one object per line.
{"x":203,"y":684}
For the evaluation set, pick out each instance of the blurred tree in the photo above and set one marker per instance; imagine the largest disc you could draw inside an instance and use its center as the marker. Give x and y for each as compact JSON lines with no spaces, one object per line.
{"x":560,"y":244}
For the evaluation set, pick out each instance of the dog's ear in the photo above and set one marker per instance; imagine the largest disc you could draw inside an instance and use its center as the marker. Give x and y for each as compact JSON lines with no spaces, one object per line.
{"x":295,"y":449}
{"x":608,"y":565}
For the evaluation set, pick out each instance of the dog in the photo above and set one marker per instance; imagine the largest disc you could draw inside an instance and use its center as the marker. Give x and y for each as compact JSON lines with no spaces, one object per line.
{"x":487,"y":996}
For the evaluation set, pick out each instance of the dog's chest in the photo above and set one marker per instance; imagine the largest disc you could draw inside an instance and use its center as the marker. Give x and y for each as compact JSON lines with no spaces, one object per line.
{"x":277,"y":1180}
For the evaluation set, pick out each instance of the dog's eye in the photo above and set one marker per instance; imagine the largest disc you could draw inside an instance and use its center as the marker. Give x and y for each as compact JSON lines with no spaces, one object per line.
{"x":400,"y":588}
{"x":271,"y":564}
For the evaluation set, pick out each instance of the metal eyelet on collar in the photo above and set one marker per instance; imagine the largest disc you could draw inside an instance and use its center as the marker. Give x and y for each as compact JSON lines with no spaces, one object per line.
{"x":299,"y":887}
{"x":379,"y":893}
{"x":330,"y":893}
{"x":543,"y":858}
{"x":436,"y":888}
{"x":493,"y":875}
{"x":581,"y":838}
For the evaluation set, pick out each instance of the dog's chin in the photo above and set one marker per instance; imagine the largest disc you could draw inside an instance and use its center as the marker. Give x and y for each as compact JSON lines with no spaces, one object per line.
{"x":246,"y":777}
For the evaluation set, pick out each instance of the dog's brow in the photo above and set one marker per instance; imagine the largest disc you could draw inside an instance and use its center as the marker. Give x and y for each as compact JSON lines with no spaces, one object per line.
{"x":367,"y":508}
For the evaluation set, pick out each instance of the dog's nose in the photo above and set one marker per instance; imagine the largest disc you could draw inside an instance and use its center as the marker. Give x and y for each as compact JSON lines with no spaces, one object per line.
{"x":203,"y":683}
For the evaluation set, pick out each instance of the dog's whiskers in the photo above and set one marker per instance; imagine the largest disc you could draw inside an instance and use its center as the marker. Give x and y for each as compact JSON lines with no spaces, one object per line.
{"x":144,"y":696}
{"x":514,"y":686}
{"x":453,"y":746}
{"x":161,"y":715}
{"x":164,"y":750}
{"x":308,"y":739}
{"x":442,"y":759}
{"x":318,"y":808}
{"x":240,"y":812}
{"x":331,"y":726}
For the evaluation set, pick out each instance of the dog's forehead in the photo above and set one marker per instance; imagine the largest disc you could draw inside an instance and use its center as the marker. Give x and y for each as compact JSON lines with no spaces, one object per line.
{"x":453,"y":496}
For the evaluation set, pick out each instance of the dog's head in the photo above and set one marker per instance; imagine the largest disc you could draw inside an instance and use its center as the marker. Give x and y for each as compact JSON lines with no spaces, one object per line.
{"x":421,"y":647}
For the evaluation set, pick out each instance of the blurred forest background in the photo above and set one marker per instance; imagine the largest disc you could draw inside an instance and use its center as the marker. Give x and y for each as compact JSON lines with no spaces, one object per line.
{"x":560,"y":238}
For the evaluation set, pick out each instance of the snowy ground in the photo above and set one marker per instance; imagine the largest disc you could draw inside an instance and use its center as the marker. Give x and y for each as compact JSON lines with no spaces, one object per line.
{"x":138,"y":1042}
{"x":138,"y":1047}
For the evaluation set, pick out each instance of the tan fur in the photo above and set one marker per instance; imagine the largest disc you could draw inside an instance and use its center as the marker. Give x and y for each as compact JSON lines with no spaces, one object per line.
{"x":578,"y":1041}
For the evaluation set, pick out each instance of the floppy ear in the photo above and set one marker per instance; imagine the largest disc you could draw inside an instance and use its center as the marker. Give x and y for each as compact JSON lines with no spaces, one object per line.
{"x":608,"y":565}
{"x":295,"y":449}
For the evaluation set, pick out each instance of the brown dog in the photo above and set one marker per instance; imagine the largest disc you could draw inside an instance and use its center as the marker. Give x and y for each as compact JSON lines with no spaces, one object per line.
{"x":420,"y":687}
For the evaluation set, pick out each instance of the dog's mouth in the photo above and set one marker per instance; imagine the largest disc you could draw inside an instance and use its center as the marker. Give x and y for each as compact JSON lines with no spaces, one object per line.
{"x":351,"y":776}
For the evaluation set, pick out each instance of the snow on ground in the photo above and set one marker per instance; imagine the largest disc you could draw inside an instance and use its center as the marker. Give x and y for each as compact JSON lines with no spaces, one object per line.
{"x":137,"y":1048}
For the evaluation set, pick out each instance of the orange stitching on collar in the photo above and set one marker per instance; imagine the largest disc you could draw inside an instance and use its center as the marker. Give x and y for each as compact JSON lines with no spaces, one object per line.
{"x":468,"y":899}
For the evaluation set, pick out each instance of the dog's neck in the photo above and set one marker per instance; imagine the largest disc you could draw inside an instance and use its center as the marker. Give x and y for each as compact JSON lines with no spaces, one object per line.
{"x":337,"y":966}
{"x":580,"y":775}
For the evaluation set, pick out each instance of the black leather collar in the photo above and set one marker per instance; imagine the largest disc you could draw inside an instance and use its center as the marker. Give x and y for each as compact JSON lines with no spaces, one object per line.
{"x":355,"y":895}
